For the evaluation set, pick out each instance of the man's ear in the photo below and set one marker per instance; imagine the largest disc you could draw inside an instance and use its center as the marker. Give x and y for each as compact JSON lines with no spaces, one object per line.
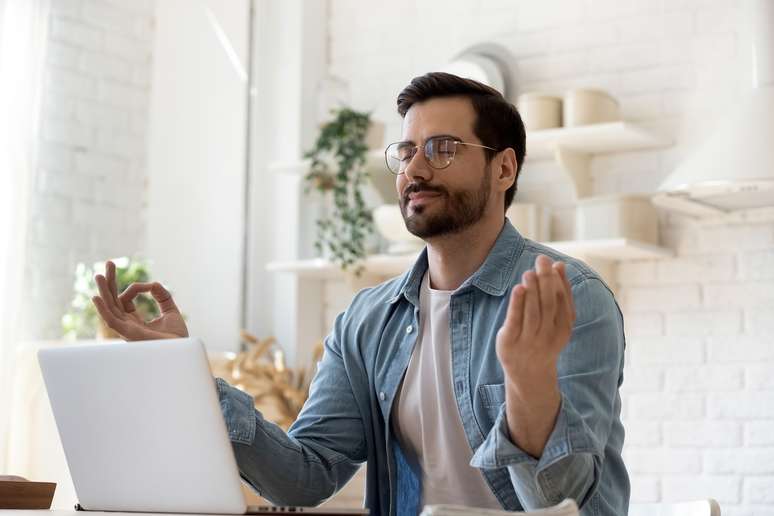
{"x":507,"y":169}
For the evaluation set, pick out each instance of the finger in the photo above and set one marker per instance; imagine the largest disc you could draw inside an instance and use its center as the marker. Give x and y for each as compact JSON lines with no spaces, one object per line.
{"x":548,"y":285}
{"x":113,"y":322}
{"x":126,"y":300}
{"x":159,"y":293}
{"x":568,"y":298}
{"x":127,"y":296}
{"x":107,"y":297}
{"x":514,"y":318}
{"x":127,"y":329}
{"x":562,"y":320}
{"x":531,"y":304}
{"x":110,"y":275}
{"x":159,"y":321}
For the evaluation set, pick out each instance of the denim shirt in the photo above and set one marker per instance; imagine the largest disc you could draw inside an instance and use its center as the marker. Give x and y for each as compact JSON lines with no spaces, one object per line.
{"x":346,"y":420}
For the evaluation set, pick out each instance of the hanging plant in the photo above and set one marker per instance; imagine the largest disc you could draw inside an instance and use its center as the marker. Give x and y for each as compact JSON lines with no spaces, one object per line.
{"x":337,"y":171}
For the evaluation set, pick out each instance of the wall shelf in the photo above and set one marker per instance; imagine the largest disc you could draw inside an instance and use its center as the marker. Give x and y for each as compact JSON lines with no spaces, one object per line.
{"x":573,"y":147}
{"x":604,"y":138}
{"x":611,"y":249}
{"x":384,"y":265}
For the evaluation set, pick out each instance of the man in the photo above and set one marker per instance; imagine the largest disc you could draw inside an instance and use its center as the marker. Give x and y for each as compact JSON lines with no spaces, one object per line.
{"x":486,"y":375}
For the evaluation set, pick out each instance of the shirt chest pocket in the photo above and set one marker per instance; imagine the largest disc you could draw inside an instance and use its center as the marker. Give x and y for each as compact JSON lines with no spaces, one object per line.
{"x":492,"y":397}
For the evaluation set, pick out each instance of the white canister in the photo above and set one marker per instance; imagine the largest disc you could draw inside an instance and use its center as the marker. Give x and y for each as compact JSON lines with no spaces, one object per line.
{"x":375,"y":135}
{"x":540,"y":111}
{"x":531,"y":220}
{"x":617,"y":216}
{"x":589,"y":106}
{"x":389,"y":222}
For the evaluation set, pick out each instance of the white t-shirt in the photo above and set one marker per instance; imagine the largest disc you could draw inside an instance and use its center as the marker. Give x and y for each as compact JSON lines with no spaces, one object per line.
{"x":427,"y":420}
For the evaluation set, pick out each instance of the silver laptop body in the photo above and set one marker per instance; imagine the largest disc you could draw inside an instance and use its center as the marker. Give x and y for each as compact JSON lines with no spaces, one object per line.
{"x":142,"y":430}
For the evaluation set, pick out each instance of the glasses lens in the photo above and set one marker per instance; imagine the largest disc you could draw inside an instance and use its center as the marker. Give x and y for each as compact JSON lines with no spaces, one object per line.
{"x":440,"y":151}
{"x":398,"y":155}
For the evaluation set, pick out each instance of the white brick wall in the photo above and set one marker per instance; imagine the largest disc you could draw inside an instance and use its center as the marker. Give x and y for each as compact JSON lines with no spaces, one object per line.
{"x":698,"y":392}
{"x":88,"y":195}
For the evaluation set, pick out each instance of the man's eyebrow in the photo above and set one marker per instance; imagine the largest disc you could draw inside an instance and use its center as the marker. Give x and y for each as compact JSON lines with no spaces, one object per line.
{"x":412,"y":142}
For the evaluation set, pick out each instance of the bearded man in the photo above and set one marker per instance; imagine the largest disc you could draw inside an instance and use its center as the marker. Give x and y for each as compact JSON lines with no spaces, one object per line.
{"x":486,"y":375}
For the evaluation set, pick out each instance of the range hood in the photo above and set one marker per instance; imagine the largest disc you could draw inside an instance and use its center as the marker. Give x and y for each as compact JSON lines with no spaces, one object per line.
{"x":733,"y":169}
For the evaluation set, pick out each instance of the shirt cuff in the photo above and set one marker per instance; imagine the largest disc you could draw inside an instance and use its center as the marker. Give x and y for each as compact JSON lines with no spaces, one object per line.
{"x":238,"y":412}
{"x":568,"y":437}
{"x":566,"y":469}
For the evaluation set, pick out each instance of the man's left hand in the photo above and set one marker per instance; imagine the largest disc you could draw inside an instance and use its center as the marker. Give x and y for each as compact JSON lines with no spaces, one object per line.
{"x":537,"y":327}
{"x":538,"y":324}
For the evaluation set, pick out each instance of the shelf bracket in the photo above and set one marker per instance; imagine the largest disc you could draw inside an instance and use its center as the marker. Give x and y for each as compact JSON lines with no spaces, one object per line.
{"x":577,"y":167}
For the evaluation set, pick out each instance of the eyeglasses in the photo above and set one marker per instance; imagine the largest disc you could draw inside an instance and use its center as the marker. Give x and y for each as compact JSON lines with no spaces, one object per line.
{"x":439,"y":152}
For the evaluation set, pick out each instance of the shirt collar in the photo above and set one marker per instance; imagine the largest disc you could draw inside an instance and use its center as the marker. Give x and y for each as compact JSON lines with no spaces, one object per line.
{"x":493,"y":277}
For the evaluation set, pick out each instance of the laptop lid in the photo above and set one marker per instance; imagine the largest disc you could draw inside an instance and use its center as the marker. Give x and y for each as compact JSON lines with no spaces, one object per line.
{"x":141,"y":427}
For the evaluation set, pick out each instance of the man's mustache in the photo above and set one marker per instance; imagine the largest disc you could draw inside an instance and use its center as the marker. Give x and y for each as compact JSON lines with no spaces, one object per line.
{"x":419,"y":187}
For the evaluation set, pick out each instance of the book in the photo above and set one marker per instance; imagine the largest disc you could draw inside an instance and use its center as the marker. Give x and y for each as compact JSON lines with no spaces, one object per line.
{"x":566,"y":508}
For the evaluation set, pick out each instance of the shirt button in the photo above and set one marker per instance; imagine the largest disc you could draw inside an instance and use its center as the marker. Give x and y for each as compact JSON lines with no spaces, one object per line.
{"x":409,"y":328}
{"x":382,"y":396}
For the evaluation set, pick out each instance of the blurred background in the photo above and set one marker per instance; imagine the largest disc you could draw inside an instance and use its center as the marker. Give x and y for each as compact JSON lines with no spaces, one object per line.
{"x":175,"y":134}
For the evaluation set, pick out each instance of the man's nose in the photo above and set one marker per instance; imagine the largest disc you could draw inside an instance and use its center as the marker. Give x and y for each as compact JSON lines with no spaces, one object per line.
{"x":418,"y":167}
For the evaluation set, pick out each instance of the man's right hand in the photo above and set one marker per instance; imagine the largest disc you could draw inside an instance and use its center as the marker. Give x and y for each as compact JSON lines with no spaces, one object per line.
{"x":120,"y":314}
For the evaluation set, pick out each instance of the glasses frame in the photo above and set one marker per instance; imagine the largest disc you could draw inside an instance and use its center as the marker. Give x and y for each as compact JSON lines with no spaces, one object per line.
{"x":416,"y":148}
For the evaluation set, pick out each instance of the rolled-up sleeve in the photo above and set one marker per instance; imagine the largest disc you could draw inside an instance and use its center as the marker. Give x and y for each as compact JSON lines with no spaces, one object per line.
{"x":323,"y":448}
{"x":590,"y":372}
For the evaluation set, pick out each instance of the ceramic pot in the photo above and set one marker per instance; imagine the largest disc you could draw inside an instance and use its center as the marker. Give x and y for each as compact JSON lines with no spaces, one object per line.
{"x":539,"y":111}
{"x":589,"y":106}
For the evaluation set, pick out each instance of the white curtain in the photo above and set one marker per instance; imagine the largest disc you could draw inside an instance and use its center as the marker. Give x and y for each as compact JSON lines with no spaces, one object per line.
{"x":23,"y":32}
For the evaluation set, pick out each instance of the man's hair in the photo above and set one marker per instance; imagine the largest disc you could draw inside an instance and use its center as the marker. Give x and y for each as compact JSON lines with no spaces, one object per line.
{"x":498,"y":123}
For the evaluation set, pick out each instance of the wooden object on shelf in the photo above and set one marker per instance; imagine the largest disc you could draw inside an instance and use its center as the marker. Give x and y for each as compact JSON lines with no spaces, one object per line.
{"x":19,"y":493}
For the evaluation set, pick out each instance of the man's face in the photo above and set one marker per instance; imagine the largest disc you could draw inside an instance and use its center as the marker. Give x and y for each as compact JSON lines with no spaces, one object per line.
{"x":438,"y":202}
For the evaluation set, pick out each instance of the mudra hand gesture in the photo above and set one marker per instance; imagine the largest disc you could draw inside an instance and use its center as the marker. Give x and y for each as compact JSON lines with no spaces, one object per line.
{"x":120,"y":314}
{"x":538,"y":324}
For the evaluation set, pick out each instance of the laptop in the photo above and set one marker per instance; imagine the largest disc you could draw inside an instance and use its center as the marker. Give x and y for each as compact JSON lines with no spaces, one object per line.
{"x":142,"y":429}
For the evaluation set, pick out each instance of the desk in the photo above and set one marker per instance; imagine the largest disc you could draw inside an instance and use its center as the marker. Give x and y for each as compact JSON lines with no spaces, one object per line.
{"x":5,"y":512}
{"x":351,"y":496}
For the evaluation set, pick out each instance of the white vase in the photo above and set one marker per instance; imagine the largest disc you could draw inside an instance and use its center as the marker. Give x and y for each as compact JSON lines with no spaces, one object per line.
{"x":389,"y":222}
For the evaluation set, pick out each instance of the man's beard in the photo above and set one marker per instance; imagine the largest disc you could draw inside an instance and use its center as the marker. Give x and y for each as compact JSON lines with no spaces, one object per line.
{"x":463,"y":209}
